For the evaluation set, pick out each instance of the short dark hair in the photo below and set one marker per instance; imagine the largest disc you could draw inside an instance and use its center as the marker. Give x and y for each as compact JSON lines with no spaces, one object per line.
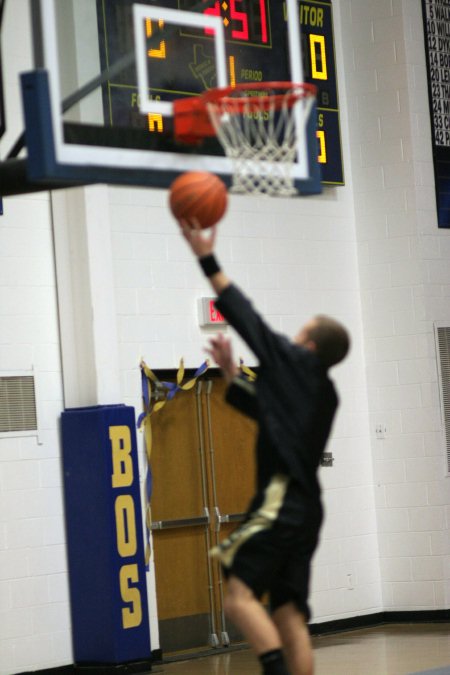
{"x":331,"y":339}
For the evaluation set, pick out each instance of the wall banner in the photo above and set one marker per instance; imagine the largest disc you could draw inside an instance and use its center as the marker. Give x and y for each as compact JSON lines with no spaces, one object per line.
{"x":436,"y":19}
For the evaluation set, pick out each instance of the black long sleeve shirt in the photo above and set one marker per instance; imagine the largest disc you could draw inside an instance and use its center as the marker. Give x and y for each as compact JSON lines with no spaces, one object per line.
{"x":295,"y":407}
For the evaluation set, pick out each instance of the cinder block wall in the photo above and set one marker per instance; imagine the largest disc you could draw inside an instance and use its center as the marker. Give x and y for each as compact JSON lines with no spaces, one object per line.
{"x":369,"y":253}
{"x":34,"y":610}
{"x":404,"y":272}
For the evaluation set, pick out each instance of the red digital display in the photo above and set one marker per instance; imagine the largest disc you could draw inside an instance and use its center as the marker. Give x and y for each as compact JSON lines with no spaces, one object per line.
{"x":244,"y":20}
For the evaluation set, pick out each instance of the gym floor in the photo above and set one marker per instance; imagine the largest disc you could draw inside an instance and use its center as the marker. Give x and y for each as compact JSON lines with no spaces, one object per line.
{"x":397,"y":649}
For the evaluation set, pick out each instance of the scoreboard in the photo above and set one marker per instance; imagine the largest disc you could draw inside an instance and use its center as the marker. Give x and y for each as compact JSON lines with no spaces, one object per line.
{"x":319,"y":68}
{"x":180,"y":63}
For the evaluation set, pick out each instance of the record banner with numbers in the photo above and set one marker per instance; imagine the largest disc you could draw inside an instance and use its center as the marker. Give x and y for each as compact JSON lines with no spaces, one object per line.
{"x":436,"y":17}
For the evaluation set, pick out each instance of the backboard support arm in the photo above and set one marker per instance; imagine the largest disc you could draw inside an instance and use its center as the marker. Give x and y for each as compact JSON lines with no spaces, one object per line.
{"x":37,"y":34}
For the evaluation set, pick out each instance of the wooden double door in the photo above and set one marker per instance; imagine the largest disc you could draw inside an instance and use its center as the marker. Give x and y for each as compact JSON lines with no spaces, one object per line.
{"x":203,"y":479}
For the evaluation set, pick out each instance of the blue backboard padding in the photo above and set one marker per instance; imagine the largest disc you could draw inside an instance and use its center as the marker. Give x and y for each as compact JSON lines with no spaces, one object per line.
{"x":38,"y":123}
{"x":98,"y":631}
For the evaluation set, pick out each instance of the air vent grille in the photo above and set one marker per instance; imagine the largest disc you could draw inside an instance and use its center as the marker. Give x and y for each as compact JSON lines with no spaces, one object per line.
{"x":17,"y":404}
{"x":443,"y":342}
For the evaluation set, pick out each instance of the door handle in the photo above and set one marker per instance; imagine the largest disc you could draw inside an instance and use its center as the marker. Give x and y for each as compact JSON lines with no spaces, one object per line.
{"x":181,"y":522}
{"x":227,"y":518}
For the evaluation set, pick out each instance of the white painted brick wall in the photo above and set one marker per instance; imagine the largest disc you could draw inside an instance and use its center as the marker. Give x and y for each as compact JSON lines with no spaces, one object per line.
{"x":404,"y":269}
{"x":387,"y":501}
{"x":32,"y":545}
{"x":34,"y":614}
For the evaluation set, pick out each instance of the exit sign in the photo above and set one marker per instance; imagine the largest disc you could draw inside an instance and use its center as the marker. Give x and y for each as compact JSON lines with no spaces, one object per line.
{"x":208,"y":315}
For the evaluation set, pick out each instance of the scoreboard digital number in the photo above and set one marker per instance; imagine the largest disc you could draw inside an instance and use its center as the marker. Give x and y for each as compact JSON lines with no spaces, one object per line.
{"x":181,"y":63}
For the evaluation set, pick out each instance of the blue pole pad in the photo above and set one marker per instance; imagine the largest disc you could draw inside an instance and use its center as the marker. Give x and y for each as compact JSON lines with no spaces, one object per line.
{"x":105,"y":546}
{"x":39,"y":135}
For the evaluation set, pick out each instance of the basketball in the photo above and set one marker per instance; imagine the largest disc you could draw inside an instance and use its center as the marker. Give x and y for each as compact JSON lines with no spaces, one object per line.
{"x":200,"y":195}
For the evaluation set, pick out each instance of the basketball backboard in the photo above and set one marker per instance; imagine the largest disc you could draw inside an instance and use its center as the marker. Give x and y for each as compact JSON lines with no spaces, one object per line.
{"x":100,"y":107}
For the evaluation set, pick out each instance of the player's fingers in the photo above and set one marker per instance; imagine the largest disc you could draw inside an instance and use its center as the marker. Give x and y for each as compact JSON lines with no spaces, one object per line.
{"x":194,"y":224}
{"x":185,"y":229}
{"x":213,"y":234}
{"x":222,"y":339}
{"x":212,"y":353}
{"x":214,"y":343}
{"x":189,"y":224}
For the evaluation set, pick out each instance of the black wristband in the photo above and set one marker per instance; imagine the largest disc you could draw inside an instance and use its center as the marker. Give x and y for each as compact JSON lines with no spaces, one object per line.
{"x":209,"y":265}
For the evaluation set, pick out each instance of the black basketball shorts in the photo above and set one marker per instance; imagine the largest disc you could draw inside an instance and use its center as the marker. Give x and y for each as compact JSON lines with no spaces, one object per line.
{"x":273,"y":558}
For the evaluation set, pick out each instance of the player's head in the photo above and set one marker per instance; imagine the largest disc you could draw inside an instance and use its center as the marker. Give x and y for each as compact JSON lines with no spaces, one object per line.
{"x":327,"y":337}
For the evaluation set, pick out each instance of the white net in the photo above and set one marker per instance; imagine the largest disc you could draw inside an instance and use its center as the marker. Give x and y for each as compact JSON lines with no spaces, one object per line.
{"x":259,"y":133}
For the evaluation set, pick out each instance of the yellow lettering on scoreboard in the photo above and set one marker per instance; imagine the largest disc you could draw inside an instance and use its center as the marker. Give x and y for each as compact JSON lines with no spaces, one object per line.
{"x":120,"y":438}
{"x":251,"y":74}
{"x":131,"y":617}
{"x":311,"y":16}
{"x":318,"y":40}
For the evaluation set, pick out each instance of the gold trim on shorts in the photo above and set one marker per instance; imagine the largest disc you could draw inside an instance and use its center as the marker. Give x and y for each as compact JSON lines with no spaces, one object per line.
{"x":262,"y":519}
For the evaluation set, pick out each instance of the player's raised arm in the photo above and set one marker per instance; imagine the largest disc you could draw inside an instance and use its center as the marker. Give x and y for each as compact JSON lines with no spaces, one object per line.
{"x":234,"y":305}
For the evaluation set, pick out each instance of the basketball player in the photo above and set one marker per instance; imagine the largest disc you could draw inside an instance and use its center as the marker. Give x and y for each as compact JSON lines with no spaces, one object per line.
{"x":294,"y":402}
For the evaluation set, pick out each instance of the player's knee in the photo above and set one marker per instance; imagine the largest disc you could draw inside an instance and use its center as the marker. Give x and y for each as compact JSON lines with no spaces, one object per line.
{"x":236,"y":604}
{"x":290,"y":622}
{"x":232,"y":605}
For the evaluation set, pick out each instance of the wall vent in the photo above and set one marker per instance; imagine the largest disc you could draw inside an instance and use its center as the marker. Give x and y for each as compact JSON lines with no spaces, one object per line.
{"x":17,"y":404}
{"x":443,"y":355}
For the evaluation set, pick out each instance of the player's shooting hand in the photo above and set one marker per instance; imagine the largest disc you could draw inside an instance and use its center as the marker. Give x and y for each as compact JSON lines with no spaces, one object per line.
{"x":222,"y":353}
{"x":202,"y":242}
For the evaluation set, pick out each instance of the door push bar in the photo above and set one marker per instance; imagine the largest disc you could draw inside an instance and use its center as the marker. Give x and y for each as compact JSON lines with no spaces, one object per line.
{"x":182,"y":522}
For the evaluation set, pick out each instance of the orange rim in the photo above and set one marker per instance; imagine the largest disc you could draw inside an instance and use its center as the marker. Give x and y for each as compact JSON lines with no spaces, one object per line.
{"x":225,"y":96}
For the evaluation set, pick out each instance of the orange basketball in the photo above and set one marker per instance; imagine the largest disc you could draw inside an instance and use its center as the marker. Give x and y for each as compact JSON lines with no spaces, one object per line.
{"x":199,"y":195}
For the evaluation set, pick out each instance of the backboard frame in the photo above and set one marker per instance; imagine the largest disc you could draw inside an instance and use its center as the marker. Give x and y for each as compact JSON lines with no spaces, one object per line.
{"x":55,"y":160}
{"x":142,"y":12}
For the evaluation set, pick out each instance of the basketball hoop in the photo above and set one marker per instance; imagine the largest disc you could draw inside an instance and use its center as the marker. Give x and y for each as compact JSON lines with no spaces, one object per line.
{"x":259,"y":126}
